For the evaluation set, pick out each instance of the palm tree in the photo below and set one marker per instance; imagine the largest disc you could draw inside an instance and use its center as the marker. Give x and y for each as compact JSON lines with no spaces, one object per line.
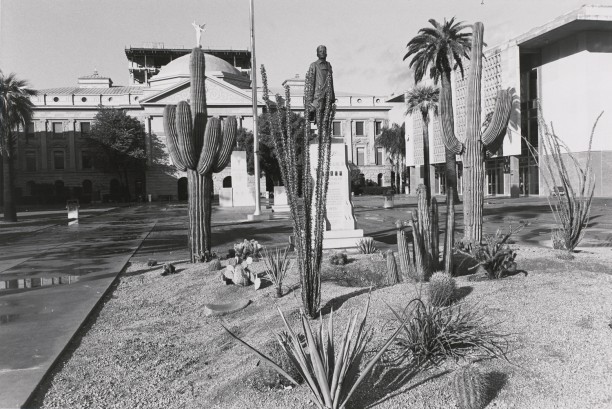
{"x":424,"y":99}
{"x":441,"y":49}
{"x":15,"y":110}
{"x":394,"y":142}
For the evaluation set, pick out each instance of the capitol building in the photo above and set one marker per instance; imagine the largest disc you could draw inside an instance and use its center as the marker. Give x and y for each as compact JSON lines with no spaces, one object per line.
{"x":54,"y":160}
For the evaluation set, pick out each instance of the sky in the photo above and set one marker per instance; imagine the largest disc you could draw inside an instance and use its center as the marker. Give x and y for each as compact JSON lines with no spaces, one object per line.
{"x":51,"y":43}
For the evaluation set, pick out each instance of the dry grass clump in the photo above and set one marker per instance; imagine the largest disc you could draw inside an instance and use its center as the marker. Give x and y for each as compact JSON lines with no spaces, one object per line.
{"x":431,"y":334}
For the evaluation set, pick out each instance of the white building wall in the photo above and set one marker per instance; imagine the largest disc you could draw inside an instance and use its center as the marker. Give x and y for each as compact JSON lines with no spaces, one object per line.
{"x":591,"y":85}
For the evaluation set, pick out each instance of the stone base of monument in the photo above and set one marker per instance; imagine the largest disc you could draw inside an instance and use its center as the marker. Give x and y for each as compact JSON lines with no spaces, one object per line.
{"x":341,"y":239}
{"x":263,"y":216}
{"x":280,"y":208}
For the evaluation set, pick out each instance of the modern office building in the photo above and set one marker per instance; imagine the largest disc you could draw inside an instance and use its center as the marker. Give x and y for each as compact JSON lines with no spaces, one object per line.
{"x":55,"y":161}
{"x":565,"y":65}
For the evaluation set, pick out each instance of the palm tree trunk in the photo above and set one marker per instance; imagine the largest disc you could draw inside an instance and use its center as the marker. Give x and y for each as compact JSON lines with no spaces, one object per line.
{"x":446,"y":109}
{"x":398,"y":176}
{"x":10,"y":211}
{"x":426,"y":176}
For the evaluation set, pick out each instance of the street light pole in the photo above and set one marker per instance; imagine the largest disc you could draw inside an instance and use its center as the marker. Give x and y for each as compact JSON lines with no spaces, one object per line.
{"x":254,"y":97}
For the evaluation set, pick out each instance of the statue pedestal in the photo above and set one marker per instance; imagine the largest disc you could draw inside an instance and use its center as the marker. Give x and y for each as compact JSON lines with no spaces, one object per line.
{"x":340,"y":229}
{"x":280,"y":200}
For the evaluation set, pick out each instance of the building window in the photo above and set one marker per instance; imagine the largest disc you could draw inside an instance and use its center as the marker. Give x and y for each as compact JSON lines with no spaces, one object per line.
{"x":359,"y":128}
{"x":377,"y":127}
{"x":85,"y":128}
{"x":58,"y":129}
{"x":379,"y":155}
{"x":58,"y":160}
{"x":337,"y":128}
{"x":30,"y":130}
{"x":30,"y":161}
{"x":360,"y":156}
{"x":86,"y":161}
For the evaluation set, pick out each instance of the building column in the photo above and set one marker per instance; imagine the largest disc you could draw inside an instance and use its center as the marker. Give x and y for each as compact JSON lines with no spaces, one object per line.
{"x":148,"y":140}
{"x":72,"y":145}
{"x":414,"y":179}
{"x":44,"y":161}
{"x":432,"y":180}
{"x":511,"y":179}
{"x":371,"y":141}
{"x":347,"y":131}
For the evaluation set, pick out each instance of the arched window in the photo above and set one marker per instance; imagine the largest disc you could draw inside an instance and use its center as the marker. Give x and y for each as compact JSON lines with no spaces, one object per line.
{"x":227,"y":181}
{"x":380,"y":179}
{"x":87,"y":186}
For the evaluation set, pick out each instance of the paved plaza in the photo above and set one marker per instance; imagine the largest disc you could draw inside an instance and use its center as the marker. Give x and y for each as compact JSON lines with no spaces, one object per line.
{"x":52,"y":275}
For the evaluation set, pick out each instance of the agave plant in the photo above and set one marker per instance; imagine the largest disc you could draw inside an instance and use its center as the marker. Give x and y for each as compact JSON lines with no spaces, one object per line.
{"x":330,"y":369}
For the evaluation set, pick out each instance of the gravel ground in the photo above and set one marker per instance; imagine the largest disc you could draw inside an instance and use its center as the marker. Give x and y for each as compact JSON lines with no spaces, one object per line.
{"x":150,"y":346}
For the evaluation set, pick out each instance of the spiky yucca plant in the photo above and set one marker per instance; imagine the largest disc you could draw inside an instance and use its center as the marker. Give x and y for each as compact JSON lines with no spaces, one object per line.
{"x":331,"y":369}
{"x":366,"y":246}
{"x":277,"y":265}
{"x":306,"y":191}
{"x":201,"y":147}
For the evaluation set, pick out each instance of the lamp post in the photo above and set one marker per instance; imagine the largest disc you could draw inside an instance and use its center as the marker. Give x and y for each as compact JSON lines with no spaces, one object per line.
{"x":254,"y":97}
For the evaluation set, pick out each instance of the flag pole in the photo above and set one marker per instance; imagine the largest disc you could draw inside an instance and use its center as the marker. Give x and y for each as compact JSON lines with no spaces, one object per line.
{"x":254,"y":97}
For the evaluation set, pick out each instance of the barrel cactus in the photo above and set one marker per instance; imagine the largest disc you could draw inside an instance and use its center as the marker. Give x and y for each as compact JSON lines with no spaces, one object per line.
{"x":200,"y":146}
{"x":441,"y":289}
{"x":470,"y":387}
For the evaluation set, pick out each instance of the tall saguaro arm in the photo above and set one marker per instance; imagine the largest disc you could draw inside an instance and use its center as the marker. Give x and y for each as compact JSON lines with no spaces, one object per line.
{"x":200,"y":146}
{"x":476,"y":141}
{"x":493,"y":135}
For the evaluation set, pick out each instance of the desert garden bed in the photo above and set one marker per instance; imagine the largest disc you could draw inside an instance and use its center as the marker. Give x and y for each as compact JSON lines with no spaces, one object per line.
{"x":151,"y":346}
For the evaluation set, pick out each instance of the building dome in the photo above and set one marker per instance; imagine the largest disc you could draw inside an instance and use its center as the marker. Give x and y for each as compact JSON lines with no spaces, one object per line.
{"x":180,"y":68}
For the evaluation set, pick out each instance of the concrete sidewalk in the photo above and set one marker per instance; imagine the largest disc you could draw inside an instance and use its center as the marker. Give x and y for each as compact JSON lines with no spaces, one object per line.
{"x":50,"y":282}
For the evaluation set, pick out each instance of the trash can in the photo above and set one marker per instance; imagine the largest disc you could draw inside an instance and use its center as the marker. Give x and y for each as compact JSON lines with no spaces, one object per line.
{"x":73,"y":211}
{"x":388,"y":195}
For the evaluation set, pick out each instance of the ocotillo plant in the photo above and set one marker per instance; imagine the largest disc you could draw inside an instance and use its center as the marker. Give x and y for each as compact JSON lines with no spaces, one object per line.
{"x":201,"y":147}
{"x":476,"y":140}
{"x":307,"y":209}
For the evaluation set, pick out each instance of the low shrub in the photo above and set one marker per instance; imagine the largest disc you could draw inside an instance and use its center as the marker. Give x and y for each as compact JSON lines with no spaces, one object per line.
{"x":338,"y":259}
{"x":432,"y":334}
{"x":214,"y":265}
{"x":366,"y":246}
{"x":247,"y":248}
{"x":441,"y":289}
{"x":494,"y":255}
{"x":374,"y":190}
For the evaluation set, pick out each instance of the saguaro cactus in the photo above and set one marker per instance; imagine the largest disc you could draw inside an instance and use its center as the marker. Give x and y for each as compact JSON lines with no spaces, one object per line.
{"x":201,"y":147}
{"x":476,"y":140}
